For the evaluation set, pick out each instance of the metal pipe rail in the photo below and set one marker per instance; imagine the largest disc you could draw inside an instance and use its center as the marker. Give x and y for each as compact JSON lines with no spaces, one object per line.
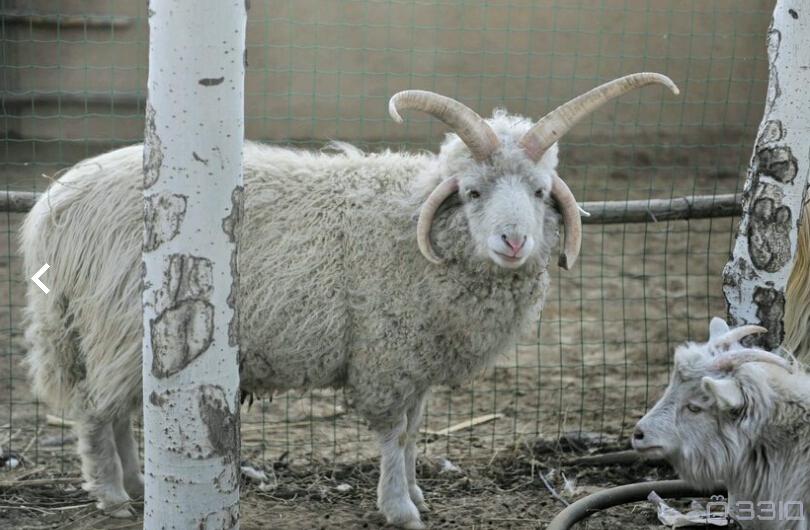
{"x":602,"y":212}
{"x":656,"y":210}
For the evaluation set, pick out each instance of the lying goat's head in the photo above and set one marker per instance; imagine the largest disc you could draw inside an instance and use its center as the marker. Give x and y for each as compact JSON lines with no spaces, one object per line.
{"x":715,"y":404}
{"x":504,"y":171}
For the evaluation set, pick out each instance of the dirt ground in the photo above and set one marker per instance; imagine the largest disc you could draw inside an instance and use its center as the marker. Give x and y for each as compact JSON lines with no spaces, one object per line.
{"x":597,"y":358}
{"x":504,"y":492}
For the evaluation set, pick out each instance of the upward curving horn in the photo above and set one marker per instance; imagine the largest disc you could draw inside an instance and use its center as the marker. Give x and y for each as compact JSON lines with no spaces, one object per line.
{"x":737,"y":334}
{"x":476,"y":134}
{"x":559,"y":121}
{"x":730,"y":361}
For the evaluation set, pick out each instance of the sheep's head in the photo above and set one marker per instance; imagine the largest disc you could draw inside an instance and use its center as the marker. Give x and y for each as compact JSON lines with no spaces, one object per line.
{"x":506,"y":201}
{"x":715,"y":404}
{"x":506,"y":177}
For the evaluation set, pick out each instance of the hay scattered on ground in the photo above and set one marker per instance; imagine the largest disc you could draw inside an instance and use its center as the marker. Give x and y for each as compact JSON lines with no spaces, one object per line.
{"x":511,"y":490}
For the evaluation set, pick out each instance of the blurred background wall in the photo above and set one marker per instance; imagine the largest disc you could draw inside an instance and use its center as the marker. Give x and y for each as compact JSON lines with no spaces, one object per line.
{"x":74,"y":73}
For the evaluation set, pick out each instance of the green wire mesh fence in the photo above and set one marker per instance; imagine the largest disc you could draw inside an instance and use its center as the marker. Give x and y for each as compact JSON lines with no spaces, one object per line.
{"x":73,"y":85}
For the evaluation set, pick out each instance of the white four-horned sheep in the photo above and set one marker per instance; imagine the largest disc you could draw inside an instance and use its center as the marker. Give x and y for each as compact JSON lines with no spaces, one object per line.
{"x":737,"y":416}
{"x":382,"y":274}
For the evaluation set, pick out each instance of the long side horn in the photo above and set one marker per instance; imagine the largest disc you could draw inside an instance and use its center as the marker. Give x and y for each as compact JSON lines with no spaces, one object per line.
{"x":732,"y":360}
{"x":737,"y":334}
{"x":572,"y":222}
{"x":559,"y":121}
{"x":428,"y":212}
{"x":476,"y":134}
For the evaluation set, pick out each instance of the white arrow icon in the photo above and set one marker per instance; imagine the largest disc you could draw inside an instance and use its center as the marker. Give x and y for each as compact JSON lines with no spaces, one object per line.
{"x":35,"y":278}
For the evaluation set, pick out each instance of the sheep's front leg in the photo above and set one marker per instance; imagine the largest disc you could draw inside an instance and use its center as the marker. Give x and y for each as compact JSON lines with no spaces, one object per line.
{"x":128,"y":452}
{"x":393,"y":499}
{"x":101,"y":467}
{"x":414,"y":422}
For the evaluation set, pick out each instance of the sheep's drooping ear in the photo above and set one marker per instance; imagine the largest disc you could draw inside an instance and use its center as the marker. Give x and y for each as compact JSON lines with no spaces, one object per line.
{"x":717,"y":328}
{"x":725,"y":391}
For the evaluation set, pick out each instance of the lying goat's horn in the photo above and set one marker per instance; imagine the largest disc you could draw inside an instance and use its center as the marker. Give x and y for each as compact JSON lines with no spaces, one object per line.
{"x":428,"y":212}
{"x":559,"y":121}
{"x":730,"y":361}
{"x":737,"y":334}
{"x":476,"y":134}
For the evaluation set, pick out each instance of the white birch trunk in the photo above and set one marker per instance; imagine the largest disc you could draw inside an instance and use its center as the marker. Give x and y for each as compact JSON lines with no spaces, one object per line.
{"x":192,"y":203}
{"x":755,"y":277}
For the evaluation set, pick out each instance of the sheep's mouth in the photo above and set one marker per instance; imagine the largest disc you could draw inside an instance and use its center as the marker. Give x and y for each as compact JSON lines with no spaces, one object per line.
{"x":506,"y":261}
{"x":508,"y":258}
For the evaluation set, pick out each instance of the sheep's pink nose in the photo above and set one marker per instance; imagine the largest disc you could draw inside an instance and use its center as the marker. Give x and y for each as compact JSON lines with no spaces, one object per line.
{"x":514,"y":244}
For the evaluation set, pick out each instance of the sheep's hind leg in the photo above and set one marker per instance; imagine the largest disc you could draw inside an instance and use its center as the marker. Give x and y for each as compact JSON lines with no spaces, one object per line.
{"x":393,"y":498}
{"x":414,"y":422}
{"x":101,"y":467}
{"x":130,"y":461}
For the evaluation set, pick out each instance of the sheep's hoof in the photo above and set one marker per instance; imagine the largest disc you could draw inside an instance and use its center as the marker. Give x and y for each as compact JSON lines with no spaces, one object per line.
{"x":123,"y":513}
{"x":410,"y":524}
{"x":118,"y":511}
{"x":402,"y":514}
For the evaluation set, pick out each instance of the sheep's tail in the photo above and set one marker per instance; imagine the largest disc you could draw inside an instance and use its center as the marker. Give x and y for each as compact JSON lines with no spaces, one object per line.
{"x":797,"y":296}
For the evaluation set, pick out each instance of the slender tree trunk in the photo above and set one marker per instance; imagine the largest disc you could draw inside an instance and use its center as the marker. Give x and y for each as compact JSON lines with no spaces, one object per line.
{"x":192,"y":203}
{"x":755,"y":277}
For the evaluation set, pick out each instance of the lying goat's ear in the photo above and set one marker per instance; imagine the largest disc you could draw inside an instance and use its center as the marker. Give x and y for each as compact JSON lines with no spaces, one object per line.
{"x":717,"y":328}
{"x":725,"y":391}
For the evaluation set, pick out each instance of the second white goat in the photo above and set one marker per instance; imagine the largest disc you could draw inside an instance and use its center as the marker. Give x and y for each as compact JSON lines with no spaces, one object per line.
{"x":737,"y":416}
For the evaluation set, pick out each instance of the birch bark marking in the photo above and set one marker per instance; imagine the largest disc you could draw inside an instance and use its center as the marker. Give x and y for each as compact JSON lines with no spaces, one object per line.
{"x":755,"y":277}
{"x":192,"y":208}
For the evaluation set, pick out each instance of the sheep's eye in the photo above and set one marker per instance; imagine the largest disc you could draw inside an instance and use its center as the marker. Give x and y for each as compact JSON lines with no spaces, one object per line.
{"x":694,"y":409}
{"x":473,"y":194}
{"x":539,"y":194}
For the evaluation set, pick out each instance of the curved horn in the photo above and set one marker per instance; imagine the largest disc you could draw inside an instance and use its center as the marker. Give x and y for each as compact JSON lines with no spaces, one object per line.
{"x":559,"y":121}
{"x":572,"y":222}
{"x":737,"y":334}
{"x":735,"y":359}
{"x":426,"y":214}
{"x":476,"y":134}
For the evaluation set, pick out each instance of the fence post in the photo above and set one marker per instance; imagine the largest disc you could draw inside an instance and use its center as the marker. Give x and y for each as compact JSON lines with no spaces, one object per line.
{"x":754,"y":279}
{"x":192,"y":202}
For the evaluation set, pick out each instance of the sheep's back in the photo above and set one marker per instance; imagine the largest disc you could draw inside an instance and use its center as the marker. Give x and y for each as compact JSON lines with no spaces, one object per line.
{"x":311,"y":221}
{"x":294,"y":290}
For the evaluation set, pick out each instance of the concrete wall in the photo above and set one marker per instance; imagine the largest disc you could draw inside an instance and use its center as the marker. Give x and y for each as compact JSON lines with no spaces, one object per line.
{"x":325,"y":69}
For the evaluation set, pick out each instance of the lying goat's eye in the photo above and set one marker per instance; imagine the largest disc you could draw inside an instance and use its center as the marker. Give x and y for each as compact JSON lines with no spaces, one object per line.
{"x":539,"y":194}
{"x":693,"y":408}
{"x":473,"y":194}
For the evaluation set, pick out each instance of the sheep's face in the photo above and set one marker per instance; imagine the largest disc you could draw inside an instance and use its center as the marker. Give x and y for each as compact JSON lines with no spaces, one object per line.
{"x":506,"y":200}
{"x":705,"y":419}
{"x":506,"y":215}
